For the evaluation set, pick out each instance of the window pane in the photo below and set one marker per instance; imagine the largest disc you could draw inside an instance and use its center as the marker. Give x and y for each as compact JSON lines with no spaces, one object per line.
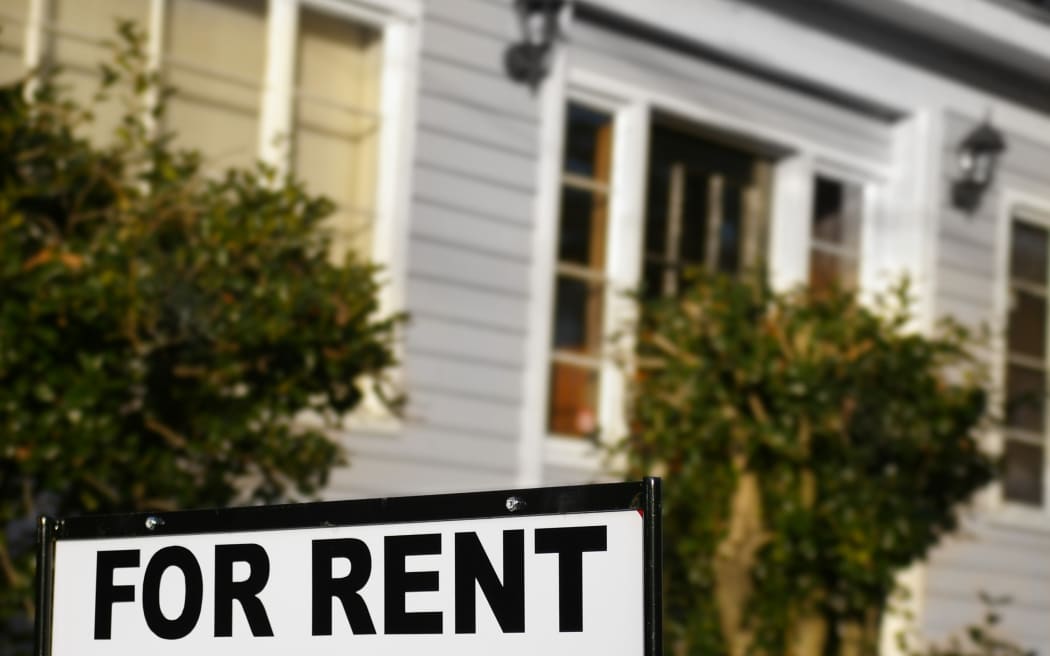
{"x":702,"y":208}
{"x":826,"y":270}
{"x":1028,"y":261}
{"x":1023,"y":472}
{"x":336,"y":125}
{"x":730,"y":233}
{"x":573,"y":400}
{"x":12,"y":38}
{"x":578,"y":315}
{"x":76,"y":44}
{"x":837,"y":213}
{"x":588,"y":143}
{"x":693,"y":247}
{"x":214,"y":59}
{"x":1028,"y":324}
{"x":1025,"y":397}
{"x":582,"y":238}
{"x":652,"y":278}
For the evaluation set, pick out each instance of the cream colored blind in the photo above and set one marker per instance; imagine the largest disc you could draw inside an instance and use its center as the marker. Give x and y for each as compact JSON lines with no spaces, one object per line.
{"x":335,"y":131}
{"x":214,"y":56}
{"x":12,"y":38}
{"x":75,"y":33}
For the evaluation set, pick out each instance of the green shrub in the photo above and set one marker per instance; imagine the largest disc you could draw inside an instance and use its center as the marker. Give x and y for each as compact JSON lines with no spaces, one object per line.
{"x":812,"y":447}
{"x":159,"y":328}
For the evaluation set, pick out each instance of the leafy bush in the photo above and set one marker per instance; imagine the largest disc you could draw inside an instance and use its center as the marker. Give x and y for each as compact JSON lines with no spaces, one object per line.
{"x":159,"y":328}
{"x":812,"y":447}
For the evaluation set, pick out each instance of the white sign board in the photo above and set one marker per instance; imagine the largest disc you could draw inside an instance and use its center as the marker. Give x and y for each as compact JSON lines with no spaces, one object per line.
{"x":369,"y":578}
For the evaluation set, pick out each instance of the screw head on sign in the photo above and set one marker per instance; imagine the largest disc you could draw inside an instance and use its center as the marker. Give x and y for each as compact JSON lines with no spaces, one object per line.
{"x":153,"y":522}
{"x":514,"y":504}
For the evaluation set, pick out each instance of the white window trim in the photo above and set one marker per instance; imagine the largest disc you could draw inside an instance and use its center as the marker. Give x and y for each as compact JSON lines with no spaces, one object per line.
{"x":632,"y":106}
{"x":791,"y":232}
{"x":399,"y":21}
{"x":1033,"y":209}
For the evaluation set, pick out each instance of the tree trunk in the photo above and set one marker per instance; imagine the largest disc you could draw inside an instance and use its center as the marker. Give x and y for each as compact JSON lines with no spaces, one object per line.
{"x":734,"y":560}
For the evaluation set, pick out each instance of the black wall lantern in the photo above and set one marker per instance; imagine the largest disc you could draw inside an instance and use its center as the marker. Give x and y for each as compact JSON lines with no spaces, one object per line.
{"x":529,"y":60}
{"x":976,"y":161}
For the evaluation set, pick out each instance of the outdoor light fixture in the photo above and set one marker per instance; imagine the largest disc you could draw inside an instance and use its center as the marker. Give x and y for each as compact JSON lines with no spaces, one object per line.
{"x":529,"y":60}
{"x":976,"y":160}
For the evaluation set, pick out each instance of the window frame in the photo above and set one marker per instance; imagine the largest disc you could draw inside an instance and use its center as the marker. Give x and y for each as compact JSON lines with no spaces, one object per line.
{"x":622,"y":264}
{"x":870,"y":188}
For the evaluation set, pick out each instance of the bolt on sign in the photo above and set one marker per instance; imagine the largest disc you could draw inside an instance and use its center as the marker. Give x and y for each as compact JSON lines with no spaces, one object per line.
{"x":560,"y":570}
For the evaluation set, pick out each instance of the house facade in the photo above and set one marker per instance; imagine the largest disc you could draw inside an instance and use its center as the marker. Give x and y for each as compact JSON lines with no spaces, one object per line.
{"x":821,"y":137}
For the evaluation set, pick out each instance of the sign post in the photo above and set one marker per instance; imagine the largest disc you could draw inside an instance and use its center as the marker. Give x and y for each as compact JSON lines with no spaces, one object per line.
{"x":555,"y":570}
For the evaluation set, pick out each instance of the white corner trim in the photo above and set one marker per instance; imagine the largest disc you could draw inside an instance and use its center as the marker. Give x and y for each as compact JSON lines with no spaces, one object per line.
{"x":275,"y":101}
{"x":624,"y":264}
{"x":398,"y":108}
{"x":533,"y":420}
{"x":791,"y":206}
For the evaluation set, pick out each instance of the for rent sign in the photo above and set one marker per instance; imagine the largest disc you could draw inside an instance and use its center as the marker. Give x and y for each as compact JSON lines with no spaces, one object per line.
{"x":549,"y":570}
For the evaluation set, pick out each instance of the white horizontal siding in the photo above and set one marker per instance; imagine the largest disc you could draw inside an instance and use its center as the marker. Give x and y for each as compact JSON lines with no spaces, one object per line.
{"x":730,"y":93}
{"x":999,"y":562}
{"x":441,"y":184}
{"x":468,"y":260}
{"x":467,"y":305}
{"x":442,"y":225}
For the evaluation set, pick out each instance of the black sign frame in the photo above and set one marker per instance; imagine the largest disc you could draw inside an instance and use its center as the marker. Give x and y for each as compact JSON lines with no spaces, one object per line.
{"x":643,"y":496}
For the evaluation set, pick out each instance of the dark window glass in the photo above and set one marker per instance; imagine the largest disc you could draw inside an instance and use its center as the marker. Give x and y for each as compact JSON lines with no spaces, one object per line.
{"x":1028,"y":324}
{"x":693,"y":246}
{"x":828,"y":219}
{"x":582,"y":235}
{"x":1025,"y":398}
{"x":696,"y":215}
{"x":1028,"y":246}
{"x":1023,"y":472}
{"x":587,"y":143}
{"x":578,"y":314}
{"x":731,"y":230}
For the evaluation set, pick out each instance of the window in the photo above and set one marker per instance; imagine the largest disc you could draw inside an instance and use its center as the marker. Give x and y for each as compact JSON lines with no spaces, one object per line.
{"x":227,"y":66}
{"x":834,"y":252}
{"x":13,"y":18}
{"x":215,"y":58}
{"x":580,"y":273}
{"x":705,"y":207}
{"x":1026,"y":365}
